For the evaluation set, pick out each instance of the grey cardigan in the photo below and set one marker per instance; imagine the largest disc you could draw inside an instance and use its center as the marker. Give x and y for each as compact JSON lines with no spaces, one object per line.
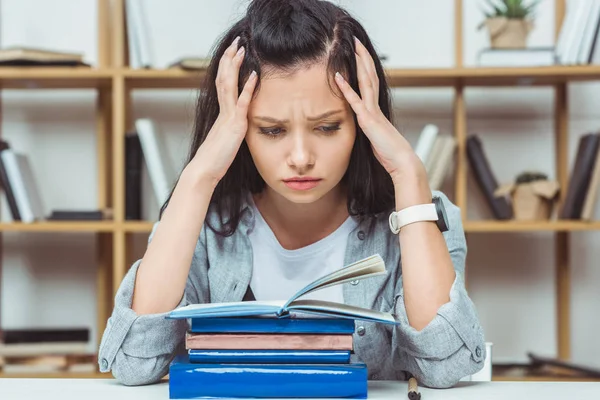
{"x":138,"y":349}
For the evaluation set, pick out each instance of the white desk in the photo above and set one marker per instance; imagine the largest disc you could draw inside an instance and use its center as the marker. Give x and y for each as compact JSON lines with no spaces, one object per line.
{"x":108,"y":389}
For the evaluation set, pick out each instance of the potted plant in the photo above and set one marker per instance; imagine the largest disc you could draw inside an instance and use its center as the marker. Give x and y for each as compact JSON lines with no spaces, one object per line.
{"x":533,"y":196}
{"x":509,"y":22}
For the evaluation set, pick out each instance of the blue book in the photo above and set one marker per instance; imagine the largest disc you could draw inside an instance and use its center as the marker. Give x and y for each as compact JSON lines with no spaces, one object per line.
{"x":368,"y":267}
{"x":269,"y":356}
{"x":193,"y":381}
{"x":272,"y":325}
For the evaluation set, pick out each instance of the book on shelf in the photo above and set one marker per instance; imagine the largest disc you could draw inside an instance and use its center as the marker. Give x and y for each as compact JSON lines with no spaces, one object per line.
{"x":578,"y":37}
{"x":441,"y":163}
{"x":589,"y":205}
{"x":81,"y":215}
{"x":6,"y":187}
{"x":191,"y":63}
{"x":581,"y":176}
{"x":157,"y":160}
{"x":138,"y":38}
{"x":309,"y":343}
{"x":425,"y":142}
{"x":33,"y":56}
{"x":22,"y":186}
{"x":133,"y":176}
{"x":500,"y":206}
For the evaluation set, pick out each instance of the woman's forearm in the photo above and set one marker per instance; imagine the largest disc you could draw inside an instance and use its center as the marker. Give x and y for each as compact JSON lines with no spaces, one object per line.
{"x":163,"y":272}
{"x":427,"y":270}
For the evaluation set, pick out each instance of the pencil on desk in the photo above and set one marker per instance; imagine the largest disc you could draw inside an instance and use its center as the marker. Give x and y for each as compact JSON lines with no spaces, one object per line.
{"x":413,"y":393}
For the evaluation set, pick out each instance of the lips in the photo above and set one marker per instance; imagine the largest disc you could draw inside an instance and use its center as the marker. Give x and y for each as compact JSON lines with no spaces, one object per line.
{"x":302,"y":183}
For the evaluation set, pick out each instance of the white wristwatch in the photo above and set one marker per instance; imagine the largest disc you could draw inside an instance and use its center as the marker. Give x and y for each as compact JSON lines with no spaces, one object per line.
{"x":433,"y":211}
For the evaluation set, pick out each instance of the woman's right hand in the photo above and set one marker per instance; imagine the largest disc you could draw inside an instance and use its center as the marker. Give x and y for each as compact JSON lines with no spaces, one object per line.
{"x":216,"y":153}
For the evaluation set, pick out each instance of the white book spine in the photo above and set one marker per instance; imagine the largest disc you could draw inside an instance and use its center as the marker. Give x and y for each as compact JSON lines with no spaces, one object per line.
{"x":576,"y":33}
{"x":141,"y":34}
{"x":425,"y":143}
{"x":132,"y":39}
{"x":589,"y":32}
{"x":155,"y":158}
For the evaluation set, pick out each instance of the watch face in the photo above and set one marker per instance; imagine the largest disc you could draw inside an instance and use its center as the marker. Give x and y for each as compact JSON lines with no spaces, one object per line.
{"x":442,"y":221}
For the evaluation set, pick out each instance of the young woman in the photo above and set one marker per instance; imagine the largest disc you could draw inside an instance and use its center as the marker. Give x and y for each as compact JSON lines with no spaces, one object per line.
{"x":294,"y":171}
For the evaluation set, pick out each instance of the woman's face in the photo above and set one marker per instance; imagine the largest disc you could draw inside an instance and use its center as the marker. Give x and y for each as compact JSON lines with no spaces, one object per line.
{"x":300,"y":134}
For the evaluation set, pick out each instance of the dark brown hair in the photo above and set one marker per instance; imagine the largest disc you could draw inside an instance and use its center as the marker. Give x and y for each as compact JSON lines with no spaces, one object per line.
{"x":285,"y":35}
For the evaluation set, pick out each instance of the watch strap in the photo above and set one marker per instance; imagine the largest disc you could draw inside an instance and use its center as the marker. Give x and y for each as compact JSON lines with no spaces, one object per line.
{"x":409,"y":215}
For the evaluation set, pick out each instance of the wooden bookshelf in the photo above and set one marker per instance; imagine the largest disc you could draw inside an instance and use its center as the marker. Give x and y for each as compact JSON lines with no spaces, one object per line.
{"x":174,"y":78}
{"x":66,"y":375}
{"x":530,"y":226}
{"x":59,"y":226}
{"x":114,"y":83}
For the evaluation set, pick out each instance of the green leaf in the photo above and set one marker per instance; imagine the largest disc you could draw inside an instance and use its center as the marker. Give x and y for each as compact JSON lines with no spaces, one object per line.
{"x":512,"y":8}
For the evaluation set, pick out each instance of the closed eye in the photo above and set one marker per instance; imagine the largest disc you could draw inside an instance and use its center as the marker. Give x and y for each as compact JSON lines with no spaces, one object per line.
{"x":329,"y":128}
{"x":271,"y":131}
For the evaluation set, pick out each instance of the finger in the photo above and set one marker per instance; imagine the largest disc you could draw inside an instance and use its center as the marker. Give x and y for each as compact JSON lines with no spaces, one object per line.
{"x":353,"y":99}
{"x":223,"y":80}
{"x":364,"y":84}
{"x":246,"y":96}
{"x":369,"y":64}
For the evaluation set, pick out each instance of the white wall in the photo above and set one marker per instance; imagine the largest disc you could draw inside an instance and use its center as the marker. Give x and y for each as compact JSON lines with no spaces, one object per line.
{"x":49,"y":278}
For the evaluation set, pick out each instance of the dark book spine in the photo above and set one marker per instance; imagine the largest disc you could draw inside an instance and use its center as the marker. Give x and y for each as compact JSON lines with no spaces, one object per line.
{"x":44,"y":335}
{"x":10,"y":196}
{"x":486,"y":179}
{"x":581,"y":176}
{"x":133,"y":177}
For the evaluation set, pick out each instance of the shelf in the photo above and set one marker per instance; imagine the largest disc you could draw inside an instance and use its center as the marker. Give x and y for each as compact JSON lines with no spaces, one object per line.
{"x":529,"y":76}
{"x":530,"y":226}
{"x":399,"y":77}
{"x":174,"y":78}
{"x":54,"y":77}
{"x":58,"y":226}
{"x":138,"y":226}
{"x":57,"y":375}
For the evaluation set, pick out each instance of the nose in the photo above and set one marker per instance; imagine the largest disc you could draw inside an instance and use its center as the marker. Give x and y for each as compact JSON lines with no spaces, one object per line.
{"x":300,"y":156}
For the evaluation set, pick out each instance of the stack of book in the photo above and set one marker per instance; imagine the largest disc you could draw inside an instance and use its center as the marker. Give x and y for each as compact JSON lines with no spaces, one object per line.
{"x":294,"y":348}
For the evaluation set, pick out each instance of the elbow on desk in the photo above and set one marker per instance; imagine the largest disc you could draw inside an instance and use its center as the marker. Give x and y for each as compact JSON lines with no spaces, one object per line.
{"x":443,"y":374}
{"x":136,"y":372}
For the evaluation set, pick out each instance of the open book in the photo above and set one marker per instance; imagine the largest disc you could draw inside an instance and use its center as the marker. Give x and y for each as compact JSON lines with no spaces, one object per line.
{"x":365,"y":268}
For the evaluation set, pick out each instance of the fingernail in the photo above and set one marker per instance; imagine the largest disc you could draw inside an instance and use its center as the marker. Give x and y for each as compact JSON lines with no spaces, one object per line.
{"x":252,"y":74}
{"x":356,"y":41}
{"x":240,"y":51}
{"x":236,"y":40}
{"x":339,"y":76}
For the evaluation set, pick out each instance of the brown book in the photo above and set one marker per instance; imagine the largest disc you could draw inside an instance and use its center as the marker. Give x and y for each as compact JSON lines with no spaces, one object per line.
{"x":247,"y":341}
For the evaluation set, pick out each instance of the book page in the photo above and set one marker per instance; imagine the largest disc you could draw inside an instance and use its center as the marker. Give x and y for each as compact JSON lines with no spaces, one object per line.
{"x":341,"y":310}
{"x":365,"y":268}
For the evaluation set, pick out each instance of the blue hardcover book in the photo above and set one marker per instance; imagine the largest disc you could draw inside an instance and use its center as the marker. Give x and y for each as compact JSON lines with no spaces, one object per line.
{"x":272,"y":325}
{"x":372,"y":266}
{"x":269,"y":356}
{"x":193,"y":381}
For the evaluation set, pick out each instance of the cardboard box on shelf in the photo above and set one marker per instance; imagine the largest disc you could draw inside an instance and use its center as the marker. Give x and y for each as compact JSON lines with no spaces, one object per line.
{"x":532,"y":201}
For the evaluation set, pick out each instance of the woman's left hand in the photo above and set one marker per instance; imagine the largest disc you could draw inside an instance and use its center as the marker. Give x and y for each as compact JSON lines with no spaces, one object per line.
{"x":391,"y":149}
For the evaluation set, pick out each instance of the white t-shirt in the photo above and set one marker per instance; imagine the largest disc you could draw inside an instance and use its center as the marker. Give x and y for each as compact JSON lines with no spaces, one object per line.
{"x":278,"y":273}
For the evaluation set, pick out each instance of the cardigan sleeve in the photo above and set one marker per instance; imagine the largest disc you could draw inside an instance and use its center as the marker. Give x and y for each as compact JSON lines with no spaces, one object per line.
{"x":138,"y":349}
